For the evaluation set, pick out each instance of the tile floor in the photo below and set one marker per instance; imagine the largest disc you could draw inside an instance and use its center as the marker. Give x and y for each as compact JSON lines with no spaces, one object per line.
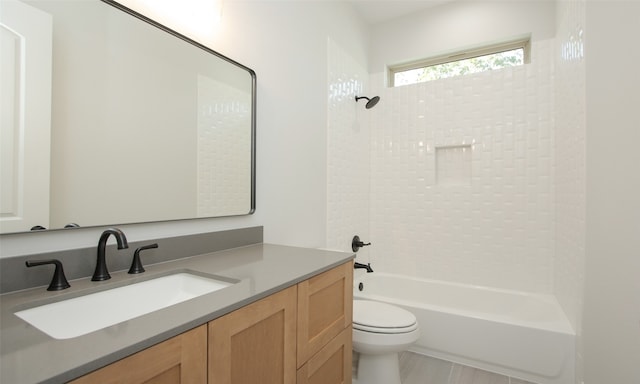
{"x":419,"y":369}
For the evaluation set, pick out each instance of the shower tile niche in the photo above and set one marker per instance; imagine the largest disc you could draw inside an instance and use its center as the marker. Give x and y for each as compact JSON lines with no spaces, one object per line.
{"x":453,"y":165}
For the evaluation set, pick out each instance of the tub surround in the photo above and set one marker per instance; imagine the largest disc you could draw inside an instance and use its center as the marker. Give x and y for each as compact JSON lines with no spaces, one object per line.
{"x":261,"y":269}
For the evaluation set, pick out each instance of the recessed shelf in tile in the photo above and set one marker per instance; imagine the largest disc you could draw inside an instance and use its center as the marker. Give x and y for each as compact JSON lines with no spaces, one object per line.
{"x":453,"y":164}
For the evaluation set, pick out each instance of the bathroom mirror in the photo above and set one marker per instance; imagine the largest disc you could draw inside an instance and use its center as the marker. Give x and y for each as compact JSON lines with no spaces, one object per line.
{"x":110,"y":118}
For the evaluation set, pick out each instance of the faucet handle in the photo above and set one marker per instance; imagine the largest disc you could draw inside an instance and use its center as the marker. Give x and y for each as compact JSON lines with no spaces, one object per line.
{"x":59,"y":281}
{"x":136,"y":264}
{"x":356,"y":244}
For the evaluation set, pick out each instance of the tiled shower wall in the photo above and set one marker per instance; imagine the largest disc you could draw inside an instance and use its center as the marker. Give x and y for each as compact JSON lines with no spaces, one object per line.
{"x":570,"y":132}
{"x":462,"y":177}
{"x":348,"y":152}
{"x":570,"y":155}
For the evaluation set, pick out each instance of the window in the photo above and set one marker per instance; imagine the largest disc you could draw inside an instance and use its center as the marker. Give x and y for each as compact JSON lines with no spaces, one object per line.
{"x":461,"y":63}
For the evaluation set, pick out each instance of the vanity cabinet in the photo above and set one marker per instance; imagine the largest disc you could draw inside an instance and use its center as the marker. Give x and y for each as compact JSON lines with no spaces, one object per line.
{"x":300,"y":334}
{"x":181,"y":359}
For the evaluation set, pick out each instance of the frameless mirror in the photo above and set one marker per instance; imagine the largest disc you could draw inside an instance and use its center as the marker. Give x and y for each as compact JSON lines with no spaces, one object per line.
{"x":109,"y":118}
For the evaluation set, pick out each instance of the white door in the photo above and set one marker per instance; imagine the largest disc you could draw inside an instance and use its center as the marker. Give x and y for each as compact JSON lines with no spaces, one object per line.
{"x":25,"y":116}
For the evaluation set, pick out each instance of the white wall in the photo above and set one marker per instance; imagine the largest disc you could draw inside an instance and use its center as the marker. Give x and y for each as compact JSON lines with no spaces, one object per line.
{"x":286,"y":44}
{"x":611,"y":316}
{"x":458,"y":25}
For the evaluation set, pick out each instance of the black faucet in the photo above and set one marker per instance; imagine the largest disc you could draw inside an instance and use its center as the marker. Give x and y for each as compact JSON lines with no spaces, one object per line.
{"x":367,"y":266}
{"x":101,"y":273}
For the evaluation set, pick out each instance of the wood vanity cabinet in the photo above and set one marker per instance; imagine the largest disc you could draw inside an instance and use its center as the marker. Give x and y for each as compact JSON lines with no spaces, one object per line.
{"x":301,"y":334}
{"x":181,"y":359}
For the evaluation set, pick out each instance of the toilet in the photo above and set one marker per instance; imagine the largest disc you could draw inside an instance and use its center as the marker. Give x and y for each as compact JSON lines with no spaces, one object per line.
{"x":380,"y":332}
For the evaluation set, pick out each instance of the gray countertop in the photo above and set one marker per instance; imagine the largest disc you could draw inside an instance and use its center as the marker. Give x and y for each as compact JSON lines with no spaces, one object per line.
{"x":30,"y":356}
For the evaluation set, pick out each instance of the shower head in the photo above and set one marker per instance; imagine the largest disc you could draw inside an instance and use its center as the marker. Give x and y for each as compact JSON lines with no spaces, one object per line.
{"x":371,"y":102}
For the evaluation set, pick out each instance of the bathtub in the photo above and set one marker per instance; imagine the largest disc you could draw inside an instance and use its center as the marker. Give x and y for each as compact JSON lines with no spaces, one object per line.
{"x":518,"y":334}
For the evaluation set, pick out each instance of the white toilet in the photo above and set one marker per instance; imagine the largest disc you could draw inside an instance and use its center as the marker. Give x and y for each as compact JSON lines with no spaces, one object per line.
{"x":380,"y":332}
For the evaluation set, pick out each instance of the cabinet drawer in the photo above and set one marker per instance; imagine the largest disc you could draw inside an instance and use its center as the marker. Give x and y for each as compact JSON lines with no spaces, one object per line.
{"x":331,"y":365}
{"x":325,"y":305}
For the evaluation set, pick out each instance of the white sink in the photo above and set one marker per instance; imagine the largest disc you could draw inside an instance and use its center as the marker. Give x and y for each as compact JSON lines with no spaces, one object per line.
{"x":81,"y":315}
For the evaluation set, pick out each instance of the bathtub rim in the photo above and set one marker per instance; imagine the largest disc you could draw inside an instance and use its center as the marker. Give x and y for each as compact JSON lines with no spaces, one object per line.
{"x":560,"y":326}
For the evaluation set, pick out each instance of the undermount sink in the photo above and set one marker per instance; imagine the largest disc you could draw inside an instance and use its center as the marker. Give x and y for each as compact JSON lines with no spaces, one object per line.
{"x":81,"y":315}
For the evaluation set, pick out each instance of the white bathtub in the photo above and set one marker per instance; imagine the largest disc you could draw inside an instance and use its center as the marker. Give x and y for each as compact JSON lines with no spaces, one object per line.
{"x":513,"y":333}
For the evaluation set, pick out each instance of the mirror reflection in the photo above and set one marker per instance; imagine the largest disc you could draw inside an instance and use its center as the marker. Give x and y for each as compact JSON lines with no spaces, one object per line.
{"x":113,"y":120}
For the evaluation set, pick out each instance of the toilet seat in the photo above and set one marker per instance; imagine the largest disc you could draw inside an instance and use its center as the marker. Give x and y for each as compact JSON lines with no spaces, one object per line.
{"x":377,"y":317}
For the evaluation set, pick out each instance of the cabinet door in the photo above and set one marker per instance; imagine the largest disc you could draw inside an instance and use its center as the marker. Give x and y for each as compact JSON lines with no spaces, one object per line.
{"x":325,"y":304}
{"x":331,"y":365}
{"x":256,"y":343}
{"x":181,"y":359}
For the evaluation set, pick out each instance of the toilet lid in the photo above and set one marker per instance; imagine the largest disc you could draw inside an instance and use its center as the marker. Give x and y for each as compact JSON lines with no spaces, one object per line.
{"x":374,"y":316}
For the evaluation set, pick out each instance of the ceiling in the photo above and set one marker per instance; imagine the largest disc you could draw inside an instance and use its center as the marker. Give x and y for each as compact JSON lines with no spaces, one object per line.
{"x":377,"y":11}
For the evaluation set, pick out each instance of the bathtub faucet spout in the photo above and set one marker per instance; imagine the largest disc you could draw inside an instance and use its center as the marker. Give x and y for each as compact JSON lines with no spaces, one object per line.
{"x":367,"y":266}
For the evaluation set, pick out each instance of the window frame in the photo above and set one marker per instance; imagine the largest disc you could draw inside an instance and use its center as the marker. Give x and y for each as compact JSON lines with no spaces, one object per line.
{"x":523,"y":43}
